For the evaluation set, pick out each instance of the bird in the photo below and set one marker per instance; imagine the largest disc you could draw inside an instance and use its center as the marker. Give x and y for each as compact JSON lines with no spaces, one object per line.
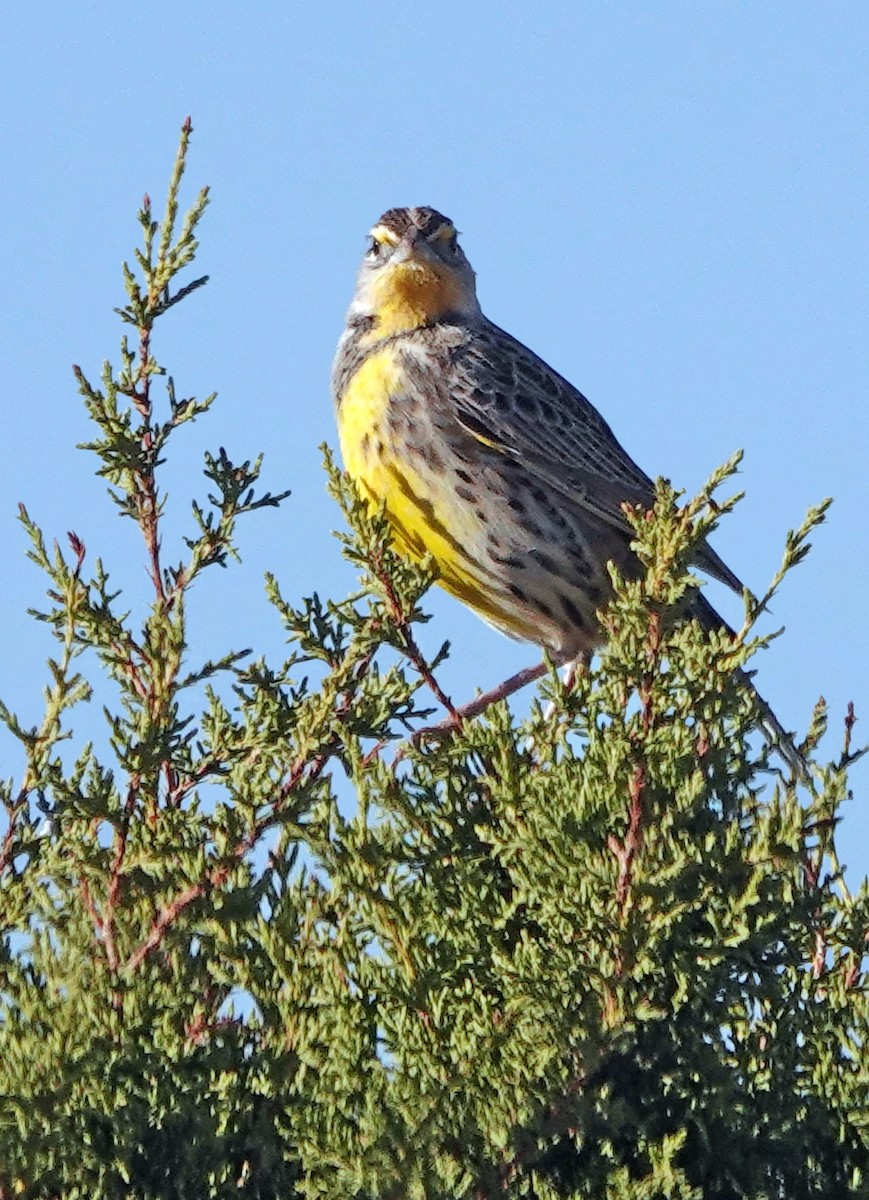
{"x":483,"y":455}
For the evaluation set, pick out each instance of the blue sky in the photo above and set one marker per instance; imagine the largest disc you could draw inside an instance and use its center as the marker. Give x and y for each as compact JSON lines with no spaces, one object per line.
{"x":667,"y":201}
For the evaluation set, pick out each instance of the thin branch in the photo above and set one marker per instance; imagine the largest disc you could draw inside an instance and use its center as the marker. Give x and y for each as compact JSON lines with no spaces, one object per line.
{"x":399,"y":617}
{"x":478,"y":705}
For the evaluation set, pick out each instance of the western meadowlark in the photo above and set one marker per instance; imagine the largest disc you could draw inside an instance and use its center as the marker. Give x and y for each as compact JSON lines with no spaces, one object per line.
{"x":484,"y":456}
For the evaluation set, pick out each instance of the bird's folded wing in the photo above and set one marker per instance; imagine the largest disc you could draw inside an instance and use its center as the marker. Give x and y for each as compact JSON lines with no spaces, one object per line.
{"x":514,"y":403}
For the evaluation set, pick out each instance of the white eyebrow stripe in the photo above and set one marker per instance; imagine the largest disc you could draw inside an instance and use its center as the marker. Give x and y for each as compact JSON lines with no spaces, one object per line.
{"x":384,"y":234}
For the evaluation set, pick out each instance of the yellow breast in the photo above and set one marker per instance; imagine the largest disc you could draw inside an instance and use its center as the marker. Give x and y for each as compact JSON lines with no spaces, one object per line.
{"x":362,"y":412}
{"x":426,"y":515}
{"x":418,"y":503}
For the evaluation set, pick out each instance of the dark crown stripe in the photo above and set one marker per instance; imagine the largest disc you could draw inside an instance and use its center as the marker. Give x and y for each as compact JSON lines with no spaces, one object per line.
{"x":400,"y":220}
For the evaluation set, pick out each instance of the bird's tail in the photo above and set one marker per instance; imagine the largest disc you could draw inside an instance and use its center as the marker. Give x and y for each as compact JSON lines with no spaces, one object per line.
{"x":775,"y":734}
{"x":778,"y":738}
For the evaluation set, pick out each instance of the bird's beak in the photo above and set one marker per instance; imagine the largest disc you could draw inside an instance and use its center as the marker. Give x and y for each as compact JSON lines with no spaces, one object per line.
{"x":413,"y":248}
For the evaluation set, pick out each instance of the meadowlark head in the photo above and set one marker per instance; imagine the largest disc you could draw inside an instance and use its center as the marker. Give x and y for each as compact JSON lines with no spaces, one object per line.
{"x":414,"y":273}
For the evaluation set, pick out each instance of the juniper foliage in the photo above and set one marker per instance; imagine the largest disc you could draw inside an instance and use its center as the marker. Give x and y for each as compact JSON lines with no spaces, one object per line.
{"x":605,"y":951}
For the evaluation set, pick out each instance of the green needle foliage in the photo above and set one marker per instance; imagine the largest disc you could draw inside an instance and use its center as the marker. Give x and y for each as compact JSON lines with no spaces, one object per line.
{"x":607,"y":951}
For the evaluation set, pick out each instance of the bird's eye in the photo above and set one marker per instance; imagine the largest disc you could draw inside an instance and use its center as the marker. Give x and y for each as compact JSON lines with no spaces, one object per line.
{"x":374,"y":248}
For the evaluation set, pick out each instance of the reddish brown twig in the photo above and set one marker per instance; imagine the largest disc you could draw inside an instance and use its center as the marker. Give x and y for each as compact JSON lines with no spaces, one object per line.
{"x":107,"y":922}
{"x":307,"y":771}
{"x":411,"y":649}
{"x":626,"y":852}
{"x":850,"y":722}
{"x":479,"y":704}
{"x":14,"y":812}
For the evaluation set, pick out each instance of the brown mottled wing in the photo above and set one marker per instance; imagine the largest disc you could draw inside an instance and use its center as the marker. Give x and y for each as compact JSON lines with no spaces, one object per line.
{"x":505,"y":394}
